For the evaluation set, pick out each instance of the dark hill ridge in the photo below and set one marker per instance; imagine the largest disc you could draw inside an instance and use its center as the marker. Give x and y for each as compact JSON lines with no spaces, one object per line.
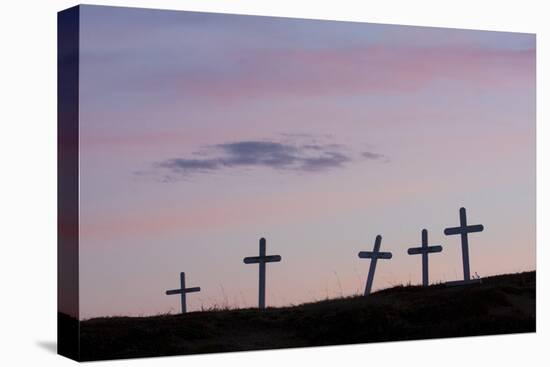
{"x":501,"y":304}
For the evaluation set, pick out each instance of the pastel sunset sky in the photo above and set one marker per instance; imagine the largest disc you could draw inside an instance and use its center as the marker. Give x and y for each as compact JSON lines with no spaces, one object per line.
{"x":201,"y":133}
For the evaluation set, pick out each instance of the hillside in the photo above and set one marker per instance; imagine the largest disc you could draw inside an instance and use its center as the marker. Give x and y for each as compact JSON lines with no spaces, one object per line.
{"x":501,"y":304}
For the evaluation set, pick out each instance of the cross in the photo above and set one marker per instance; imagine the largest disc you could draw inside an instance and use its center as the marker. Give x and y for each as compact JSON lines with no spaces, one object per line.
{"x":424,"y":250}
{"x":374,"y":255}
{"x":463,"y":231}
{"x":183,"y":291}
{"x":261,"y":260}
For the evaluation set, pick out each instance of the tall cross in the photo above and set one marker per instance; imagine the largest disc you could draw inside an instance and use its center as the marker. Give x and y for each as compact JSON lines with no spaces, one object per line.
{"x":373,"y":255}
{"x":424,"y":250}
{"x":183,"y":291}
{"x":463,"y":231}
{"x":261,"y":260}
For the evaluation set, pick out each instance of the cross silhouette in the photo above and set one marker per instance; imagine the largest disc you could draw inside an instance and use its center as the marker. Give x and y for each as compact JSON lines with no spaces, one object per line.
{"x":374,"y":255}
{"x":463,"y":231}
{"x":183,"y":291}
{"x":424,"y":250}
{"x":261,"y":260}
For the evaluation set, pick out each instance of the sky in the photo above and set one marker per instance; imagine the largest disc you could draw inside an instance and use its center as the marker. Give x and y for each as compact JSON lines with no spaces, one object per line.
{"x":201,"y":133}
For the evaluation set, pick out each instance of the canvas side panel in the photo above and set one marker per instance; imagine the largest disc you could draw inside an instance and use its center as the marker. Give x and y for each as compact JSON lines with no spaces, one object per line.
{"x":67,"y":182}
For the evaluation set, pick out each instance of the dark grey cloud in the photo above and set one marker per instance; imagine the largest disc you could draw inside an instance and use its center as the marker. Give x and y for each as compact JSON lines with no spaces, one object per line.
{"x":190,"y":164}
{"x":371,"y":155}
{"x":303,"y":157}
{"x":327,"y":160}
{"x":269,"y":154}
{"x":260,"y":153}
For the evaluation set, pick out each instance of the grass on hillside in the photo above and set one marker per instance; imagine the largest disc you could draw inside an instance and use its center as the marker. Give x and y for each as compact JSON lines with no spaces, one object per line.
{"x":501,"y":304}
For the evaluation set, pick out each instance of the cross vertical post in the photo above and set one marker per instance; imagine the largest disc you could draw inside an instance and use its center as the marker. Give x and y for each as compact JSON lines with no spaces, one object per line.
{"x":465,"y":247}
{"x":261,"y":276}
{"x":374,"y":255}
{"x":261,"y":261}
{"x":183,"y":297}
{"x":424,"y":250}
{"x":463,"y":231}
{"x":425,"y":280}
{"x":372,"y":267}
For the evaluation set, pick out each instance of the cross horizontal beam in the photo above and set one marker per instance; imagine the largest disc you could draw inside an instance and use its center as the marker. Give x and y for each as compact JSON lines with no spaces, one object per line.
{"x":260,"y":259}
{"x":465,"y":229}
{"x":372,"y":254}
{"x":186,"y":290}
{"x":420,"y":250}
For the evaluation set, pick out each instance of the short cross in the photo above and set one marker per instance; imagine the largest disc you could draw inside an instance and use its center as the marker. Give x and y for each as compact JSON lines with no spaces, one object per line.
{"x":183,"y":291}
{"x":374,"y":255}
{"x":463,"y":231}
{"x":424,"y":250}
{"x":262,"y":260}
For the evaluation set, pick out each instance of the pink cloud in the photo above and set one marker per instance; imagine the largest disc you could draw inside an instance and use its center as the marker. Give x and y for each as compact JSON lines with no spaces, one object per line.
{"x":372,"y":69}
